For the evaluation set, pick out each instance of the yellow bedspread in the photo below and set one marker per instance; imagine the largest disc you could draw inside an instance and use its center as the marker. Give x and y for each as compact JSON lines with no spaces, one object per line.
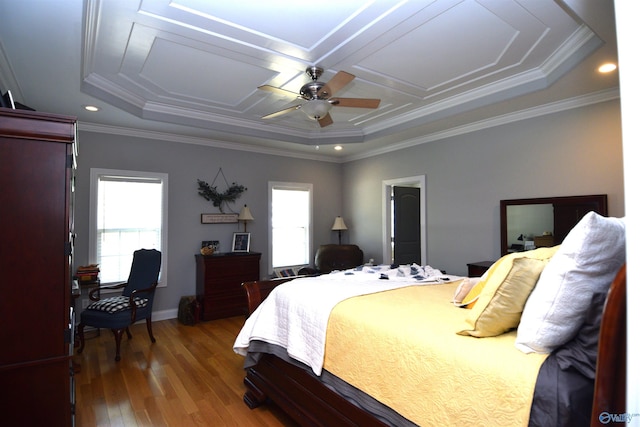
{"x":401,"y":348}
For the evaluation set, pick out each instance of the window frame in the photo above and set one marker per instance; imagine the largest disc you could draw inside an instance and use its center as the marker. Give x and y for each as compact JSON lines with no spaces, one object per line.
{"x":95,"y":175}
{"x":295,"y":186}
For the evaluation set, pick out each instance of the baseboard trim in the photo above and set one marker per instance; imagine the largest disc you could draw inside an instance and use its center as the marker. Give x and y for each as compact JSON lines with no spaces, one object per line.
{"x":165,"y":314}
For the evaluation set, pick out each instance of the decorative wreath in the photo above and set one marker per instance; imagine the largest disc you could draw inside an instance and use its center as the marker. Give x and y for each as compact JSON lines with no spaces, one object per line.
{"x":210,"y":192}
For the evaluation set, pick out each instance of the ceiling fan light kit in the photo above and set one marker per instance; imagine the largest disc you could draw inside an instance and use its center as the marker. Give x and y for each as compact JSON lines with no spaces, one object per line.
{"x":316,"y":108}
{"x":319,"y":97}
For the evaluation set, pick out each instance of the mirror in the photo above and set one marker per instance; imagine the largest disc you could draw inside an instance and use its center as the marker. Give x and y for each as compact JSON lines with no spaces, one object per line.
{"x":529,"y":223}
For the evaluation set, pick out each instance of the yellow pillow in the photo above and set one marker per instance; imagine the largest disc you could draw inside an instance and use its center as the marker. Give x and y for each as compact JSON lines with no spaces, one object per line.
{"x":499,"y":306}
{"x":474,"y":293}
{"x":499,"y":270}
{"x":464,"y":288}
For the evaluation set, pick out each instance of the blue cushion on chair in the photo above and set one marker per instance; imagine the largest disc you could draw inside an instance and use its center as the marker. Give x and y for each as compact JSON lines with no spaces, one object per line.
{"x":116,"y":304}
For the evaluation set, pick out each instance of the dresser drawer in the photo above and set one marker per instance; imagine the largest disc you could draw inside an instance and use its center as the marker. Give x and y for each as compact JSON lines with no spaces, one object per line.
{"x":218,"y":283}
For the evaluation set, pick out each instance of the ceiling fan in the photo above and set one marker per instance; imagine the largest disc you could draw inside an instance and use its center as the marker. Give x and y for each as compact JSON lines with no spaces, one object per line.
{"x":319,"y":98}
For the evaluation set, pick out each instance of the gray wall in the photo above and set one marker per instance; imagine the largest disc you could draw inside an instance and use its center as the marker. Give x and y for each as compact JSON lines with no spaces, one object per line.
{"x":185,"y":163}
{"x":569,"y":153}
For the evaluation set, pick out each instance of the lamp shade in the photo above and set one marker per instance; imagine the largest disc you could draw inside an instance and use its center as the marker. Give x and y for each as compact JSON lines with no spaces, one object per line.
{"x":316,"y":108}
{"x":245,"y":214}
{"x":339,"y":224}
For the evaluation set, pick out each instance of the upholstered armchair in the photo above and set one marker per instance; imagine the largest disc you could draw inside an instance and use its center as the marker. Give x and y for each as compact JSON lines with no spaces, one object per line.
{"x":335,"y":257}
{"x":136,"y":301}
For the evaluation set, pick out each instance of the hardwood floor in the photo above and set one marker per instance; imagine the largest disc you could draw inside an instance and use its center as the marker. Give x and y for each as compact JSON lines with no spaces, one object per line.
{"x":189,"y":377}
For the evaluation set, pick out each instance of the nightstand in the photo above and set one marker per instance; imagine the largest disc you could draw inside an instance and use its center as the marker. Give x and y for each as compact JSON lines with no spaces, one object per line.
{"x":477,"y":269}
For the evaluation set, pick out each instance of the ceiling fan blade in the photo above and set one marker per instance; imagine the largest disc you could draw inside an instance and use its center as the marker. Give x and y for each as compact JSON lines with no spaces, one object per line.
{"x":279,"y":91}
{"x":355,"y":102}
{"x":338,"y":81}
{"x":281,"y":112}
{"x":325,"y":121}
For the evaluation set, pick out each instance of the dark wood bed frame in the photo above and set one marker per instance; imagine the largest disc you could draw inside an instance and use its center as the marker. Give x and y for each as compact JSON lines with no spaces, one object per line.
{"x":310,"y":403}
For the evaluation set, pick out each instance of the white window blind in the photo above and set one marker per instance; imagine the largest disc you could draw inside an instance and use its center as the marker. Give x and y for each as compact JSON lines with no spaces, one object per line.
{"x":290,"y":224}
{"x":130,"y":214}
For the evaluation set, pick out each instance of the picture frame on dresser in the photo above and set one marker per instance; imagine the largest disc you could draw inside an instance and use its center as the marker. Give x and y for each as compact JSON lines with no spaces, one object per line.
{"x":241,"y":242}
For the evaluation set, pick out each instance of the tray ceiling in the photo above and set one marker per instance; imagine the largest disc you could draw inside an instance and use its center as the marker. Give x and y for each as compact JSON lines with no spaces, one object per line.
{"x":192,"y":67}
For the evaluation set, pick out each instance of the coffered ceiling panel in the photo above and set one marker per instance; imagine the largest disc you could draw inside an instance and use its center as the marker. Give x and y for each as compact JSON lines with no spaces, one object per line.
{"x":195,"y":66}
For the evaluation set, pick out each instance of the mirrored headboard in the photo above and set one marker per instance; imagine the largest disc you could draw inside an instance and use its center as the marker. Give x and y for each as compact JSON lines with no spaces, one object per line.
{"x":543,"y":221}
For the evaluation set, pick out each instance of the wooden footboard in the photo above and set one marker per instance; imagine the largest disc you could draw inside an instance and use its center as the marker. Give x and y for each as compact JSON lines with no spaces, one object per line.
{"x":301,"y":395}
{"x":311,"y":403}
{"x":297,"y":392}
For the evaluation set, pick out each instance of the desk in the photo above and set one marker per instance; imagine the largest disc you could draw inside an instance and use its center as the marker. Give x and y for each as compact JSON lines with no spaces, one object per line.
{"x":75,"y":290}
{"x":82,"y":301}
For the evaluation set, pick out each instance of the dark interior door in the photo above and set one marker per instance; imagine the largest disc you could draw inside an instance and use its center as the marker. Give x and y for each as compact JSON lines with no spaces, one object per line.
{"x":406,"y":225}
{"x":566,"y":216}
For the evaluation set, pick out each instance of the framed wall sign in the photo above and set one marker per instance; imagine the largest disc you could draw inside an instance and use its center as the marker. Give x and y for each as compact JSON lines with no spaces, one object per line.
{"x":241,"y":242}
{"x":222,"y":218}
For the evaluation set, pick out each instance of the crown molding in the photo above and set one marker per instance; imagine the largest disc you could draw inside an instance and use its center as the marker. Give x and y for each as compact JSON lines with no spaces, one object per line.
{"x":551,"y":108}
{"x":164,"y":136}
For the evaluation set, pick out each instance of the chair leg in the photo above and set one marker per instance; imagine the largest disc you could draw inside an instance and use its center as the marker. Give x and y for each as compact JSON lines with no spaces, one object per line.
{"x":117,"y":333}
{"x":128,"y":333}
{"x":149,"y":329}
{"x":81,"y":337}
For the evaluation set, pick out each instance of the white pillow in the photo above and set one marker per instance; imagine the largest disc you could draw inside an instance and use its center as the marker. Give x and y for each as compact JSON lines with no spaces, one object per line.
{"x":587,"y":262}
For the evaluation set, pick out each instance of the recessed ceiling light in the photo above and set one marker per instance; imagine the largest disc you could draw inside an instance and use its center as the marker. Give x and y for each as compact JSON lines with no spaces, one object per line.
{"x":91,"y":108}
{"x":607,"y":67}
{"x":338,"y":147}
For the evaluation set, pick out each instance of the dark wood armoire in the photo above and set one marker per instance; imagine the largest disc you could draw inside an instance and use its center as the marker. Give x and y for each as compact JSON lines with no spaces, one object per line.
{"x":36,"y":224}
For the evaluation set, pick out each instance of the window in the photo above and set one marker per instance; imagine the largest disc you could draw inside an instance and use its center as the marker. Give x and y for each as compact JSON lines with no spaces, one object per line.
{"x":290,"y":229}
{"x":128,"y":212}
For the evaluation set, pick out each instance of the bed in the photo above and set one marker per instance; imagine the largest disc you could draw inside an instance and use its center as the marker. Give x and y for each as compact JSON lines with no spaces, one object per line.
{"x":404,"y":354}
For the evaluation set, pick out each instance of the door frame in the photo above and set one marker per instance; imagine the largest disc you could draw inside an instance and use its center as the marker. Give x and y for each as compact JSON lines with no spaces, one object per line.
{"x":418,"y":181}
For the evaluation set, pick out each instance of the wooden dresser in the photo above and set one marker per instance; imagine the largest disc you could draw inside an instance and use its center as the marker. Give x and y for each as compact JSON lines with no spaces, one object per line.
{"x":218,"y":280}
{"x":36,"y":196}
